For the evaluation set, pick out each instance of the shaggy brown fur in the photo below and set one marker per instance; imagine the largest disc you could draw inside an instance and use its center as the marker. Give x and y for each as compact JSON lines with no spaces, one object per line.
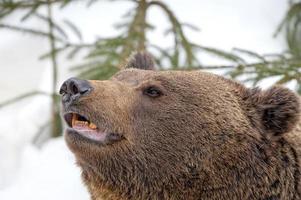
{"x":189,"y":135}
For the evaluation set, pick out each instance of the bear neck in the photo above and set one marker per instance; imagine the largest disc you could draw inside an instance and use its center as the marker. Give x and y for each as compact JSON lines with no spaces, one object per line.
{"x":222,"y":172}
{"x":124,"y":183}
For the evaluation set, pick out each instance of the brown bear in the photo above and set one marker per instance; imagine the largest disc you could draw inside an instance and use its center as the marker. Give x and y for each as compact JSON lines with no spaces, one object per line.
{"x":182,"y":135}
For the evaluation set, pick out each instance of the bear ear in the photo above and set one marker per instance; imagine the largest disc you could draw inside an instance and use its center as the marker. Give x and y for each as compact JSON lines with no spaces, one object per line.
{"x":278,"y":108}
{"x":140,"y":60}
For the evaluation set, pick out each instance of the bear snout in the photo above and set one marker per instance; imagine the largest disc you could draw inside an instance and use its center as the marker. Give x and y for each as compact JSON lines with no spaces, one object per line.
{"x":73,"y":89}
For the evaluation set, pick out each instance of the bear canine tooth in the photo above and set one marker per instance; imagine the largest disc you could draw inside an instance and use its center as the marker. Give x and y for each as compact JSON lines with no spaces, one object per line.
{"x":92,"y":126}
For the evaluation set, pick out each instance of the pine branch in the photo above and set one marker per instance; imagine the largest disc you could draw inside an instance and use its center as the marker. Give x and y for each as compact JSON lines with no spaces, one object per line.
{"x":29,"y":31}
{"x":222,"y":54}
{"x":55,"y":26}
{"x":21,"y":97}
{"x":178,"y":32}
{"x":135,"y":37}
{"x":28,"y":3}
{"x":55,"y":130}
{"x":75,"y":29}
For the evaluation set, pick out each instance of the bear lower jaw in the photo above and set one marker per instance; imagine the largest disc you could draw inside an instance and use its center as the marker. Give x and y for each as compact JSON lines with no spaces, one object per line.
{"x":91,"y":137}
{"x":91,"y":134}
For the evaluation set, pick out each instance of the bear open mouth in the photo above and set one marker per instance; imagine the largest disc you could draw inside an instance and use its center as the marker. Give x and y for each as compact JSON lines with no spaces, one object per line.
{"x":84,"y":127}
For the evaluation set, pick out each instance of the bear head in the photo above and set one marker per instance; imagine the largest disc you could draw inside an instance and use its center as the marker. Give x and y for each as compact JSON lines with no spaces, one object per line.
{"x":147,"y":134}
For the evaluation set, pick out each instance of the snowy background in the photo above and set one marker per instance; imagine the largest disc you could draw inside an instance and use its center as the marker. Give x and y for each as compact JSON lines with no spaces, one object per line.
{"x":48,"y":172}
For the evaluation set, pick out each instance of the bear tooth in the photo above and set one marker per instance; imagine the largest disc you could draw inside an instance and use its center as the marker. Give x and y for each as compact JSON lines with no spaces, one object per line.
{"x":74,"y":118}
{"x":92,"y":126}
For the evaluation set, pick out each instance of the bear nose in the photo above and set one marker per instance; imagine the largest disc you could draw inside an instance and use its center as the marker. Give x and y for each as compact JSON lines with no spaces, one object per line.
{"x":73,"y":88}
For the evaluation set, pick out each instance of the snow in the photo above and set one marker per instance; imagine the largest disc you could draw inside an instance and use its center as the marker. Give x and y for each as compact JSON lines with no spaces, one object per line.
{"x":49,"y":172}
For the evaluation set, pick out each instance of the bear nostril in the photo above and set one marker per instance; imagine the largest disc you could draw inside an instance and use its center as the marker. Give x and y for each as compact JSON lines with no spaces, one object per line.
{"x":63,"y":89}
{"x":74,"y":88}
{"x":78,"y":86}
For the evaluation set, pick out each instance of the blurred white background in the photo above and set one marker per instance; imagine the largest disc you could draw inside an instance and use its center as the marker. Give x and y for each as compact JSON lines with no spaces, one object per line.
{"x":48,"y":172}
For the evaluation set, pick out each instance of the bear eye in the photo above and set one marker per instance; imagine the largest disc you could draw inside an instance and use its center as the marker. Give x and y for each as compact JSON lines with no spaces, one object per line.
{"x":152,"y":91}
